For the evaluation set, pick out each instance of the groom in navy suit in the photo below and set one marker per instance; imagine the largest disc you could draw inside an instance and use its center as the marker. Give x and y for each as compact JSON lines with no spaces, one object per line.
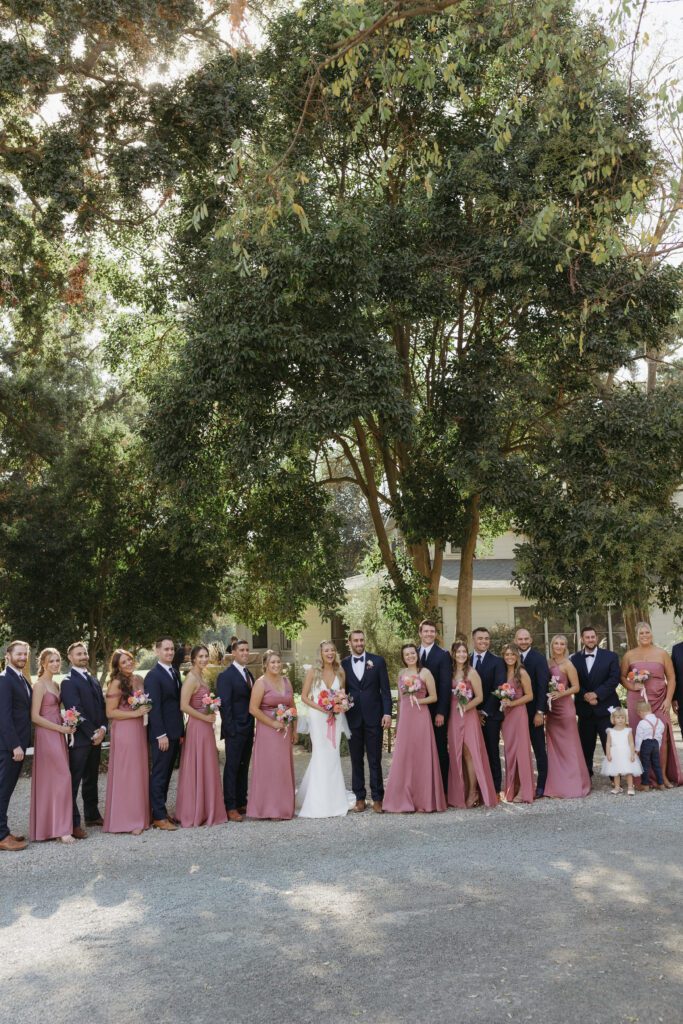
{"x":440,"y":665}
{"x":367,"y":682}
{"x":598,"y":673}
{"x":237,"y":729}
{"x":15,"y":733}
{"x":166,"y":728}
{"x":82,"y":691}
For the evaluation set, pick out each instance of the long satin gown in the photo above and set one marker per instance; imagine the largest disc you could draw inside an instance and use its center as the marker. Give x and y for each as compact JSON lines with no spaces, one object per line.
{"x":199,"y":800}
{"x":414,"y":782}
{"x":519,"y":772}
{"x":568,"y":776}
{"x":51,"y":801}
{"x":271,"y":793}
{"x":655,"y":688}
{"x":464,"y":730}
{"x":127,"y":803}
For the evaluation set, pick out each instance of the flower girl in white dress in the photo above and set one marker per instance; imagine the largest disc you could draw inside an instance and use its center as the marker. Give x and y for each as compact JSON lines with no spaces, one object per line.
{"x":323,"y":793}
{"x":620,"y":756}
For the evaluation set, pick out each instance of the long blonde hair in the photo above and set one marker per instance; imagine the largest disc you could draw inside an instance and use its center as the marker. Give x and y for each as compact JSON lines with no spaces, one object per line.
{"x":46,"y":653}
{"x":336,"y":665}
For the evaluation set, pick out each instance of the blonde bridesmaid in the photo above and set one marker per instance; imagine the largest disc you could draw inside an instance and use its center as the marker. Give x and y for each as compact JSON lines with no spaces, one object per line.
{"x":51,"y":799}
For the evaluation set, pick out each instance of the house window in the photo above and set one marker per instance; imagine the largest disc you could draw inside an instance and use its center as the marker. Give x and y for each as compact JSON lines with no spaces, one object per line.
{"x":259,"y":638}
{"x":284,"y":641}
{"x":338,"y":634}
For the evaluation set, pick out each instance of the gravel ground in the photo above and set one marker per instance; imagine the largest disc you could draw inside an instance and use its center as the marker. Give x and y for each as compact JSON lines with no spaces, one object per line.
{"x":562,"y":911}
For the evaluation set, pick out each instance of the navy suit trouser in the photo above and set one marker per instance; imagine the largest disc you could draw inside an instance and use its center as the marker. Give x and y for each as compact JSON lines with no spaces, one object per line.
{"x":649,"y":756}
{"x":236,"y":771}
{"x":163,"y":763}
{"x":441,"y":738}
{"x":590,"y":727}
{"x":84,"y":765}
{"x":10,"y":770}
{"x":492,"y":727}
{"x":366,"y":739}
{"x":537,"y":736}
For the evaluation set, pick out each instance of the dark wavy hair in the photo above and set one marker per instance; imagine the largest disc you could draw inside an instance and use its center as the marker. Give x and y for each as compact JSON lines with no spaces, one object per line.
{"x":115,"y":676}
{"x":466,"y":667}
{"x":196,"y":649}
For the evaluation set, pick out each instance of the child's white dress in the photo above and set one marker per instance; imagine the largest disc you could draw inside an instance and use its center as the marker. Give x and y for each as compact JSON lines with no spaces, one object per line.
{"x":621,"y":763}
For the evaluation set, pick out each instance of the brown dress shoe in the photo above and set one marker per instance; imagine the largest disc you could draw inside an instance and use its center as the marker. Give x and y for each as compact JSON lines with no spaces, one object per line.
{"x":9,"y":843}
{"x":17,"y":839}
{"x":95,"y":821}
{"x":242,"y":810}
{"x":174,"y":821}
{"x":235,"y":816}
{"x":359,"y":806}
{"x":79,"y":833}
{"x":165,"y":825}
{"x":377,"y":807}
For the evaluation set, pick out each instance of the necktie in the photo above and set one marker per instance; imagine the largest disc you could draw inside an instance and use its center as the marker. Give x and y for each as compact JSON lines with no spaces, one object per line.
{"x":423,"y":657}
{"x":477,"y":663}
{"x":523,"y":656}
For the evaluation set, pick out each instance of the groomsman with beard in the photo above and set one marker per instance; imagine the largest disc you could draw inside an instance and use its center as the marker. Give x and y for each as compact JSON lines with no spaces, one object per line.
{"x":82,"y":691}
{"x":677,"y":658}
{"x":367,"y":682}
{"x":440,"y":665}
{"x":493,"y":674}
{"x":237,"y":730}
{"x":598,"y":673}
{"x":536,"y":664}
{"x":166,"y":728}
{"x":15,"y":734}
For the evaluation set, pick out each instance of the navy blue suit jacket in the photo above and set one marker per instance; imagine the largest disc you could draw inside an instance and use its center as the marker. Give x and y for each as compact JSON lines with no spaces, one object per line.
{"x":87,"y":698}
{"x":165,"y":716}
{"x":677,"y":658}
{"x":440,"y":665}
{"x":603,"y":681}
{"x":536,"y":664}
{"x":235,"y":694}
{"x":371,"y":694}
{"x":15,"y":710}
{"x":493,"y":674}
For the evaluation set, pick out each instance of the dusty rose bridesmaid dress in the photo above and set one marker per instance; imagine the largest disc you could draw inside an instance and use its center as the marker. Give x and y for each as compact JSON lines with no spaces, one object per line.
{"x":567,"y":772}
{"x":127,"y":804}
{"x":51,"y":800}
{"x":415,"y":777}
{"x":519,"y":772}
{"x":200,"y":795}
{"x":271,"y":793}
{"x":464,"y":730}
{"x":655,"y":689}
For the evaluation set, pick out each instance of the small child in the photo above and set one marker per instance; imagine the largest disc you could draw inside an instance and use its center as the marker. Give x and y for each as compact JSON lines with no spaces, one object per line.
{"x":649,"y":735}
{"x":620,"y":756}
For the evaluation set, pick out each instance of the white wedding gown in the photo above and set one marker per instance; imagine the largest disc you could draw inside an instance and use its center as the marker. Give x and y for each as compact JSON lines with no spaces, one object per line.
{"x":323,"y":793}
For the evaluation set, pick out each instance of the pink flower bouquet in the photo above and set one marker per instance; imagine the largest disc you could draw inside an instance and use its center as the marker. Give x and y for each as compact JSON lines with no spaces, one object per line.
{"x":463,"y":694}
{"x":555,"y":685}
{"x":286,"y":714}
{"x":73,"y":718}
{"x":140,"y":699}
{"x":210,"y":703}
{"x":505,"y":692}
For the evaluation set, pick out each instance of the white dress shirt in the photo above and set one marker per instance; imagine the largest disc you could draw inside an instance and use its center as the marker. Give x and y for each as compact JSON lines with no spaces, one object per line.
{"x":649,"y":728}
{"x":358,"y":666}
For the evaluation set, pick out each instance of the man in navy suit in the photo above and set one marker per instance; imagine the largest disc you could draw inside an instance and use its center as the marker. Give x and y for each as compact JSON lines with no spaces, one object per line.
{"x":493,"y":674}
{"x":237,"y":729}
{"x":367,"y":682}
{"x":536,"y":664}
{"x":15,"y":733}
{"x":440,"y":665}
{"x":677,"y":658}
{"x":598,"y":673}
{"x":166,"y":727}
{"x":82,"y":691}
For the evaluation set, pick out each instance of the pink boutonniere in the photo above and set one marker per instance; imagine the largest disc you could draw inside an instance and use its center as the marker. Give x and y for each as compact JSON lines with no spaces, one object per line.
{"x":369,"y":664}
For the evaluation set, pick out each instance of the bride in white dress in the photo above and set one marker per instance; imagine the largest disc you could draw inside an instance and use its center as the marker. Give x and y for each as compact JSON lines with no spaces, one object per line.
{"x":323,"y":793}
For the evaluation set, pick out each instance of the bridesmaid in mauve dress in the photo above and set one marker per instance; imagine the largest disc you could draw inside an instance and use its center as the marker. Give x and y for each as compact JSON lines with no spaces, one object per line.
{"x":469,"y":773}
{"x":199,"y":800}
{"x":271,"y":793}
{"x":567,"y":772}
{"x":415,"y":782}
{"x":519,"y":773}
{"x":660,"y":688}
{"x":126,"y":807}
{"x":51,"y":799}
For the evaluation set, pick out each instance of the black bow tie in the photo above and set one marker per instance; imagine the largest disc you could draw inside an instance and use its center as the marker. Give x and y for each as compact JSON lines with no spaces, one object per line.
{"x":359,"y":659}
{"x":590,"y":654}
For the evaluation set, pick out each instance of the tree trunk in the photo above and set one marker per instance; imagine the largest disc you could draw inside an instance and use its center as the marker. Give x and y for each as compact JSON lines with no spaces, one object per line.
{"x":633,"y":614}
{"x":463,"y":616}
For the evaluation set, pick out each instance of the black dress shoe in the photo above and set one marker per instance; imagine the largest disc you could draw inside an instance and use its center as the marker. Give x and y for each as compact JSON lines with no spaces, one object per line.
{"x":94,"y":821}
{"x":539,"y":793}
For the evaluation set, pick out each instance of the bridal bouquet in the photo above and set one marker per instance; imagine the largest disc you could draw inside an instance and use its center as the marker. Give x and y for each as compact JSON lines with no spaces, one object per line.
{"x":410,"y":687}
{"x":463,"y":693}
{"x":334,"y":702}
{"x":639,"y":677}
{"x":211,"y":703}
{"x":73,"y":718}
{"x":140,"y":699}
{"x":555,"y":685}
{"x":285,"y":714}
{"x":505,"y":692}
